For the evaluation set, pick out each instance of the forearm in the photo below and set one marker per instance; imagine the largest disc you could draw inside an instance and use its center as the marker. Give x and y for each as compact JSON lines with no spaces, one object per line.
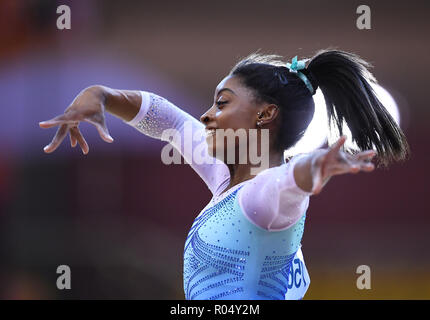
{"x":123,"y":104}
{"x":159,"y":118}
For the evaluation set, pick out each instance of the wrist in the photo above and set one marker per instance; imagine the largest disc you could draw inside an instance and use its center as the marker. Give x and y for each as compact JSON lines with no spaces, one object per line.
{"x":103,"y":95}
{"x":101,"y":92}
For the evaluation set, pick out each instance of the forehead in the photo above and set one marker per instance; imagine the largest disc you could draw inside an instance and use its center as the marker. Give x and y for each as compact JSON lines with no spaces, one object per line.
{"x":230,"y":82}
{"x":235,"y":84}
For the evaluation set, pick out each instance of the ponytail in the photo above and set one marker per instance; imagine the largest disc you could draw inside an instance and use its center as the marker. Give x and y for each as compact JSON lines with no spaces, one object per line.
{"x":345,"y":82}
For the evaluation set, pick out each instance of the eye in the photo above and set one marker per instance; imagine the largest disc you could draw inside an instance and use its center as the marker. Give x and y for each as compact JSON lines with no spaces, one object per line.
{"x":219,"y":103}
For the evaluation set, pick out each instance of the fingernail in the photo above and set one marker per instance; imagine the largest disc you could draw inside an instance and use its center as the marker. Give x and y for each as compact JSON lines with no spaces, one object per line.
{"x":44,"y":149}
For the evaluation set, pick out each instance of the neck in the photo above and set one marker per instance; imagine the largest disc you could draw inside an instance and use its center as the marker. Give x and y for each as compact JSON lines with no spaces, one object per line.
{"x":242,"y":172}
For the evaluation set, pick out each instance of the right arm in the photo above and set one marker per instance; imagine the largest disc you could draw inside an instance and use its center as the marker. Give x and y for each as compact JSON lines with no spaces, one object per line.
{"x":148,"y":113}
{"x":123,"y":104}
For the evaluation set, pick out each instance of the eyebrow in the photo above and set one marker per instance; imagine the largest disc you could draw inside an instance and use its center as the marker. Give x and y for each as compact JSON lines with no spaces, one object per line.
{"x":225,"y":89}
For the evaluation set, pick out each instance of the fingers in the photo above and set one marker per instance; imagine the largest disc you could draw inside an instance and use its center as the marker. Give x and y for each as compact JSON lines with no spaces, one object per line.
{"x":336,"y":162}
{"x":102,"y":129}
{"x":340,"y":163}
{"x":365,"y":155}
{"x":75,"y":135}
{"x":338,"y":144}
{"x":58,"y":138}
{"x":352,"y":166}
{"x":363,"y":159}
{"x":58,"y":120}
{"x":80,"y":139}
{"x":367,"y":167}
{"x":73,"y":140}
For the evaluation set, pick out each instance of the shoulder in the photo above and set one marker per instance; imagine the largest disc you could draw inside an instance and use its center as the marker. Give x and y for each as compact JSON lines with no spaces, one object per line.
{"x":284,"y":167}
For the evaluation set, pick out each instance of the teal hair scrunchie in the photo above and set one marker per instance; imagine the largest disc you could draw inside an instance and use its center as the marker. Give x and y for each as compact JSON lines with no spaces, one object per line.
{"x":297,"y":65}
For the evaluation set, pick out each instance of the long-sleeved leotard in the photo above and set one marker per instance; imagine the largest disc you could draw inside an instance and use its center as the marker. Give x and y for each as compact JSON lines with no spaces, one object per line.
{"x":245,"y":244}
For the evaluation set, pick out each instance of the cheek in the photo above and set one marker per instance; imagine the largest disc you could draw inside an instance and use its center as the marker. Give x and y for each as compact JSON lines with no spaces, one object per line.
{"x":233,"y":118}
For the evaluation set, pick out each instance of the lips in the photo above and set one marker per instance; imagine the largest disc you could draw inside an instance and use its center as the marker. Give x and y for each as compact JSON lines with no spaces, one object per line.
{"x":210,"y":133}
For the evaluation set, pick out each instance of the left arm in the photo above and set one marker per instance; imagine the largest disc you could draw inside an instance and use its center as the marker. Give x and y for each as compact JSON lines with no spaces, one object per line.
{"x":278,"y":197}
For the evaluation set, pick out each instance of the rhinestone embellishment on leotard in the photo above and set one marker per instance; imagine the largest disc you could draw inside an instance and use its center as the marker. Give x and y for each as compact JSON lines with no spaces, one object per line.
{"x":153,"y":123}
{"x":214,"y":271}
{"x":227,"y":264}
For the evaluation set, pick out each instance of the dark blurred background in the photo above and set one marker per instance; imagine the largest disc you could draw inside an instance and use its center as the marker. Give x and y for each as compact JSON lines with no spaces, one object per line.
{"x":119,"y":217}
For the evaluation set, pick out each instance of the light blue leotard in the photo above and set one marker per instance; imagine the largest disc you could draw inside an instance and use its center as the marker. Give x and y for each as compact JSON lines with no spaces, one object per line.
{"x":226,"y":256}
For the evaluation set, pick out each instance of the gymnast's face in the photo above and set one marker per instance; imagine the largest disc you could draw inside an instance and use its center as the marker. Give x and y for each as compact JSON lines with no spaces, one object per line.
{"x":234,"y":108}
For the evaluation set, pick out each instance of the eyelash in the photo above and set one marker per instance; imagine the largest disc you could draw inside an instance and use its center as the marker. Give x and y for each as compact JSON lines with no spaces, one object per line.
{"x":218,"y":103}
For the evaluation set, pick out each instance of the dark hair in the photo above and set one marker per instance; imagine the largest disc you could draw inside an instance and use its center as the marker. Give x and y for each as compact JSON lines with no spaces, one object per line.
{"x":345,"y":82}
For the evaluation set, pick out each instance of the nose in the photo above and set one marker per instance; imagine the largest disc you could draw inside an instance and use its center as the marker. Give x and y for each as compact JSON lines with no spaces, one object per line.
{"x":205,"y":118}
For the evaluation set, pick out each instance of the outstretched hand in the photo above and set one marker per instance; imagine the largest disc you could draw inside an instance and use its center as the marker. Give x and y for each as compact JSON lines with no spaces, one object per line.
{"x":335,"y":161}
{"x":87,"y":106}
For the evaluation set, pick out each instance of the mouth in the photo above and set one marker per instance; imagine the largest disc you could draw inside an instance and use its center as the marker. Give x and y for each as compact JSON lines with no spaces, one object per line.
{"x":209,"y":133}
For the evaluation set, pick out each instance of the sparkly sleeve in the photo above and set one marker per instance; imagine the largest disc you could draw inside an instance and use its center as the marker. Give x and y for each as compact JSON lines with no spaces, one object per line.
{"x":161,"y":119}
{"x":272,"y":200}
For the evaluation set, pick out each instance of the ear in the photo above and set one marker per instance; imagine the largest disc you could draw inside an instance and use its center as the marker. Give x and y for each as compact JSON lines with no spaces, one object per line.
{"x":268,"y":113}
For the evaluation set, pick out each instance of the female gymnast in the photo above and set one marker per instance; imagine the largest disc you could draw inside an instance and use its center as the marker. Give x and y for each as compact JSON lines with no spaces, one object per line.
{"x":246,"y":243}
